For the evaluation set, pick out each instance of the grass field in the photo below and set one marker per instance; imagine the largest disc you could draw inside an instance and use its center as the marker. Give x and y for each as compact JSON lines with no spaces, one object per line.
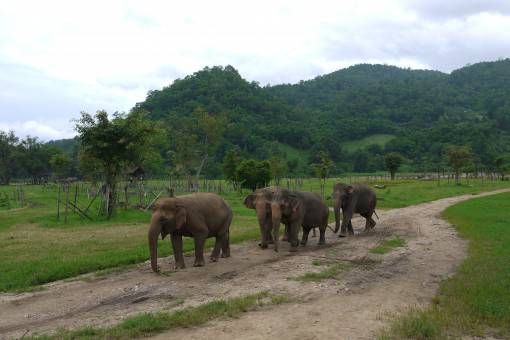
{"x":476,"y":301}
{"x":36,"y":248}
{"x":379,"y":139}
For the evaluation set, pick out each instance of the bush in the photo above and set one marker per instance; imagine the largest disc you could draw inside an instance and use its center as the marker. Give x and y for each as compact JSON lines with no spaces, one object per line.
{"x":253,"y":174}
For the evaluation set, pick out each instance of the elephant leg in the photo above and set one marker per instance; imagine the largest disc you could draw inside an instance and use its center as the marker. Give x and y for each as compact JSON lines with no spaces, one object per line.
{"x":276,"y":236}
{"x":294,"y":232}
{"x":350,"y":229}
{"x":346,"y":221}
{"x":199,"y":251}
{"x":177,"y":247}
{"x":304,"y":238}
{"x":337,"y":219}
{"x":322,"y":236}
{"x":220,"y":239}
{"x":263,"y":236}
{"x":225,"y":248}
{"x":269,"y":235}
{"x":372,"y":222}
{"x":367,"y":222}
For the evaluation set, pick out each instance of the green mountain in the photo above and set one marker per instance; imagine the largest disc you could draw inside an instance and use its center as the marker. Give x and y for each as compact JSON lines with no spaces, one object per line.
{"x":424,"y":110}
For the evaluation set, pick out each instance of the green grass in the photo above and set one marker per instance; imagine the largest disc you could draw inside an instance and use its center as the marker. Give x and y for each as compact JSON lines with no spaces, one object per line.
{"x":36,"y":248}
{"x":388,"y":245}
{"x":150,"y":324}
{"x":476,"y":301}
{"x":330,"y":272}
{"x":379,"y":139}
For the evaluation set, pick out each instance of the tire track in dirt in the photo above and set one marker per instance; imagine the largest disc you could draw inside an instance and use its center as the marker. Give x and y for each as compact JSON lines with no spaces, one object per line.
{"x":350,"y":306}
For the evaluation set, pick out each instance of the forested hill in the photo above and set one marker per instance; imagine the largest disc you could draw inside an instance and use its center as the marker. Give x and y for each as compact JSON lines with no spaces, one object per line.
{"x":424,"y":110}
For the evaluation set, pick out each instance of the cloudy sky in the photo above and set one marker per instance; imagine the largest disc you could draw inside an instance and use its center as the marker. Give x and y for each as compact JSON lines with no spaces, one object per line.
{"x":58,"y":58}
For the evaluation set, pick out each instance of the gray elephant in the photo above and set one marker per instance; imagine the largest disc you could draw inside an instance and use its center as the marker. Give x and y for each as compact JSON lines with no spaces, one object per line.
{"x":295,"y":209}
{"x":357,"y":198}
{"x":259,"y":200}
{"x":199,"y":215}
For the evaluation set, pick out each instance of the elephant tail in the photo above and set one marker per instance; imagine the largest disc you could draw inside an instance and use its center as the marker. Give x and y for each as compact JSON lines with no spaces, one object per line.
{"x":376,"y":214}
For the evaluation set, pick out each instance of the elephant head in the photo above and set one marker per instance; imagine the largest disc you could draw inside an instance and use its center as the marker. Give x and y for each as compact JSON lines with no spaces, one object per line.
{"x":168,"y":216}
{"x":342,"y":193}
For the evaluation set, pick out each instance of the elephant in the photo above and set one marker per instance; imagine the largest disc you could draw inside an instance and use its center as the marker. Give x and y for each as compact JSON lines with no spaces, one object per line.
{"x":357,"y":198}
{"x":295,"y":209}
{"x":260,"y":200}
{"x":198,"y":215}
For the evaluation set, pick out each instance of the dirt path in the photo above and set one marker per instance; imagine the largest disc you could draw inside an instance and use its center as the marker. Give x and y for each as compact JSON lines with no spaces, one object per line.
{"x":351,"y":306}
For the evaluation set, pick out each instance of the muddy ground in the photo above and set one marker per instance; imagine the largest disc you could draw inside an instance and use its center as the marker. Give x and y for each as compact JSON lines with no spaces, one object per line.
{"x":353,"y":305}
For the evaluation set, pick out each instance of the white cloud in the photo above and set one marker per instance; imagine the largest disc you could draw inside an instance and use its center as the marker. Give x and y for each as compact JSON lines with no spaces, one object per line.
{"x":43,"y":130}
{"x":58,"y":58}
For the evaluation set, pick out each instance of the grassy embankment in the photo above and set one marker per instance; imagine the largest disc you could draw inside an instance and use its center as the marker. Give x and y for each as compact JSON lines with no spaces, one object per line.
{"x":36,"y":248}
{"x":476,"y":301}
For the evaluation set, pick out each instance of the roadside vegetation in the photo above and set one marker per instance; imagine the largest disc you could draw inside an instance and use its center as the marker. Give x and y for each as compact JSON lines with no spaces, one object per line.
{"x":36,"y":248}
{"x":476,"y":301}
{"x":149,"y":324}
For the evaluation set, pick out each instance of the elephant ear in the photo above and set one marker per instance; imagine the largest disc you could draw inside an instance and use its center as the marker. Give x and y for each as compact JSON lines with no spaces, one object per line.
{"x":349,"y":190}
{"x":180,"y":216}
{"x":249,"y":201}
{"x":295,"y":203}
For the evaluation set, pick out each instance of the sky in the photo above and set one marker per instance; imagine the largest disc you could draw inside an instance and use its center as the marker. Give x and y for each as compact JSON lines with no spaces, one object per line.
{"x":59,"y":58}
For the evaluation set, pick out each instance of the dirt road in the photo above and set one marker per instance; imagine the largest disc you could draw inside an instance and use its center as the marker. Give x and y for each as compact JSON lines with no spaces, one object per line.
{"x":353,"y":305}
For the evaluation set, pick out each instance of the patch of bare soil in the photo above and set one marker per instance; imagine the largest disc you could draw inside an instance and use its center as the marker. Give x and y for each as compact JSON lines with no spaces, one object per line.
{"x":353,"y":305}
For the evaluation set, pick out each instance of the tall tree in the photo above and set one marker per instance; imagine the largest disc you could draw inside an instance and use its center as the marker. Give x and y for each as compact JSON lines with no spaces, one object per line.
{"x":195,"y":139}
{"x":322,"y":169}
{"x":117,"y":143}
{"x":458,"y":157}
{"x":502,"y":165}
{"x":8,"y":145}
{"x":393,"y":160}
{"x":231,"y":161}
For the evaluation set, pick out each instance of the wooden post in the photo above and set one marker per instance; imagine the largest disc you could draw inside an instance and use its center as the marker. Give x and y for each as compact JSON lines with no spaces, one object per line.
{"x":75,"y":196}
{"x":66,"y":187}
{"x":58,"y":203}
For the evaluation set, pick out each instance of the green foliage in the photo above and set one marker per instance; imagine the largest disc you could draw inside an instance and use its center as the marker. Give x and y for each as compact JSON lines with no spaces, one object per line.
{"x":116,"y":144}
{"x":458,"y":157}
{"x":254,"y":174}
{"x":230,"y":163}
{"x":414,"y":113}
{"x":60,"y":164}
{"x":8,"y":159}
{"x":475,"y":301}
{"x":502,"y":165}
{"x":393,"y":160}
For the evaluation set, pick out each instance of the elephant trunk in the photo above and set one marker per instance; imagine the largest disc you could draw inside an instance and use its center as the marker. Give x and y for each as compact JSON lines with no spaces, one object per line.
{"x":276,"y":217}
{"x":154,"y":231}
{"x":336,"y":208}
